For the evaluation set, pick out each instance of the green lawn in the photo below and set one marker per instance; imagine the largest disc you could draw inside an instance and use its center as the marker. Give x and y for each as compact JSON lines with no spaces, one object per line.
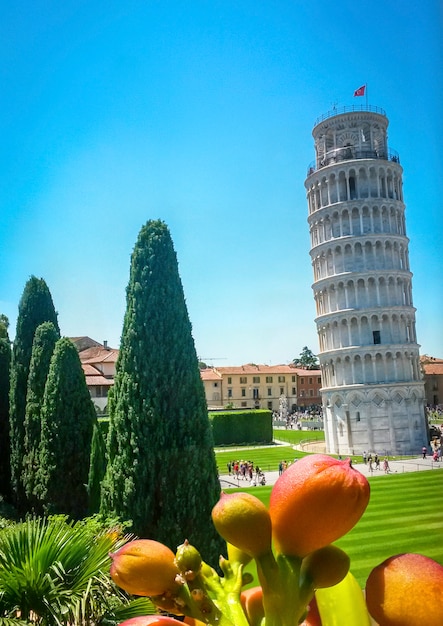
{"x":296,"y":436}
{"x":404,"y":515}
{"x":268,"y":458}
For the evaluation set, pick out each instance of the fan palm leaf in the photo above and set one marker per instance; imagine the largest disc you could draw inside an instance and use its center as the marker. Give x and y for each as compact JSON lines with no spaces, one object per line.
{"x":53,"y":572}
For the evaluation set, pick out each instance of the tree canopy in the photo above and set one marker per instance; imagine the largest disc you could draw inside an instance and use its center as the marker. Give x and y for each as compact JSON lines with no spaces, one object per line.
{"x":43,"y":346}
{"x":306,"y":360}
{"x":161,"y":471}
{"x":35,"y":307}
{"x":68,"y":416}
{"x":5,"y":364}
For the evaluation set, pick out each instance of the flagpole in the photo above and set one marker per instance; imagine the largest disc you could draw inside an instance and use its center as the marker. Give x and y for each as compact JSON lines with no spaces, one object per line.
{"x":366,"y":92}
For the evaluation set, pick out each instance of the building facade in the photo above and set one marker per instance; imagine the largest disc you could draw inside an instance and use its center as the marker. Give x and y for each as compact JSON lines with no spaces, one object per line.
{"x":273,"y":387}
{"x":433,"y":375}
{"x":98,"y":363}
{"x":373,"y":391}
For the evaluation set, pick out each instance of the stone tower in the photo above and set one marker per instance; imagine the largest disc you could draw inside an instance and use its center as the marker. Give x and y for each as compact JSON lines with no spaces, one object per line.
{"x":373,"y":393}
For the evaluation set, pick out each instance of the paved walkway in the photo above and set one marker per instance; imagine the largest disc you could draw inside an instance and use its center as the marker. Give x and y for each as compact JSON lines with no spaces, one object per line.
{"x":417,"y":464}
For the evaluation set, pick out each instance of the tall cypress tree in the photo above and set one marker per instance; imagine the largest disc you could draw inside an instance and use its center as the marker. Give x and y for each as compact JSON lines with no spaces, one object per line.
{"x":5,"y":364}
{"x":36,"y":306}
{"x":43,"y":346}
{"x":97,"y":468}
{"x":161,"y":471}
{"x":68,"y":416}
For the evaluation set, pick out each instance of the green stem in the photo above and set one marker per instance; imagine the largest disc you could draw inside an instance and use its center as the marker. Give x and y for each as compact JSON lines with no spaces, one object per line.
{"x":283,"y":600}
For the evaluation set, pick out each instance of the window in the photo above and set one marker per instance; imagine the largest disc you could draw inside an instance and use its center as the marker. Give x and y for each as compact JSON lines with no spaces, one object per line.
{"x":255,"y":393}
{"x":294,"y":391}
{"x":99,"y":392}
{"x":269,"y":391}
{"x":215,"y":384}
{"x":293,"y":379}
{"x":281,"y":379}
{"x":244,"y":404}
{"x":256,"y":379}
{"x":243,"y":380}
{"x":282,"y":390}
{"x":302,"y":393}
{"x":319,"y":380}
{"x":302,"y":381}
{"x":243,"y":392}
{"x":357,"y":416}
{"x":311,"y":392}
{"x":229,"y":380}
{"x":352,"y":187}
{"x":376,"y":336}
{"x":229,"y":393}
{"x":310,"y":381}
{"x":269,"y":379}
{"x":270,"y":405}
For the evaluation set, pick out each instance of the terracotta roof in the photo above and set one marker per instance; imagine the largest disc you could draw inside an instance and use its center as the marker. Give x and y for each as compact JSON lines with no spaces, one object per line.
{"x":98,"y":354}
{"x":84,"y":342}
{"x":95,"y":381}
{"x":209,"y":374}
{"x":90,"y":370}
{"x":267,"y":369}
{"x":433,"y":368}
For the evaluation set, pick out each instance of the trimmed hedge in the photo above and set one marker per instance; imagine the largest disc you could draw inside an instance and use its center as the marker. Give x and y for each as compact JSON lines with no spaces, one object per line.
{"x":230,"y":427}
{"x":241,"y":427}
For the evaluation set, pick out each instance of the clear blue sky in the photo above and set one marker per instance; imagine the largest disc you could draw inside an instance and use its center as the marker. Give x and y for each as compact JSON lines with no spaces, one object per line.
{"x":200,"y":113}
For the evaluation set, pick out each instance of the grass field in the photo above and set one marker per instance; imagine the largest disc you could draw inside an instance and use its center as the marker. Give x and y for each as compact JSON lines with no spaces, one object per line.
{"x":404,"y":515}
{"x":268,"y":458}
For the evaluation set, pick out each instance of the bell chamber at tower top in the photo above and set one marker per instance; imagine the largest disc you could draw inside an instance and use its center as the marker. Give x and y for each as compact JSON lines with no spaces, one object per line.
{"x":351,"y":133}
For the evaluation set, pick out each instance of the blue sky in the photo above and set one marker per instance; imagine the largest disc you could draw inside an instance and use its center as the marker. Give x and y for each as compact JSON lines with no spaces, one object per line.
{"x":200,"y":113}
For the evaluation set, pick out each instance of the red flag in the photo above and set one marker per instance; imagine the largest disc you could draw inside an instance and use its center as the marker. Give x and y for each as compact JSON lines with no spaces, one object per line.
{"x":360,"y":91}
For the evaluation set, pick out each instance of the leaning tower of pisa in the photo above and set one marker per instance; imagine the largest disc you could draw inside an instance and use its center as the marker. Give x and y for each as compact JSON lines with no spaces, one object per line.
{"x":373,"y":393}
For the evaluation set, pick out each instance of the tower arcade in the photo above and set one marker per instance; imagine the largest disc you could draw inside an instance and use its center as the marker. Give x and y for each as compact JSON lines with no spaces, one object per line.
{"x":373,"y":393}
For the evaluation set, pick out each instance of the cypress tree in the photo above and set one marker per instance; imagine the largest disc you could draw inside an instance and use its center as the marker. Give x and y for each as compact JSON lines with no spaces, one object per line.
{"x":5,"y":364}
{"x":161,"y":471}
{"x":97,"y":468}
{"x":36,"y":306}
{"x":43,"y":346}
{"x":68,"y":416}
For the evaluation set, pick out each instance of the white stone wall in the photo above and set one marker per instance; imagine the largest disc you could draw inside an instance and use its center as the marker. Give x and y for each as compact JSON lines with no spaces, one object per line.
{"x":373,"y":393}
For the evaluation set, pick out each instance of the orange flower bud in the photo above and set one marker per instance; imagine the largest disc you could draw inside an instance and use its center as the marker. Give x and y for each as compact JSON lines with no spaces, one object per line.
{"x":325,"y":567}
{"x":252,"y":603}
{"x":313,"y":616}
{"x":151,"y":620}
{"x":315,"y":502}
{"x":406,"y":590}
{"x":145,"y":568}
{"x":243,"y":520}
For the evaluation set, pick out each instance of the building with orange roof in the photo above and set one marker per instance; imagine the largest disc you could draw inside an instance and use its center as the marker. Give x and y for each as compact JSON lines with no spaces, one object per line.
{"x":433,"y":377}
{"x":98,"y":363}
{"x":261,"y":386}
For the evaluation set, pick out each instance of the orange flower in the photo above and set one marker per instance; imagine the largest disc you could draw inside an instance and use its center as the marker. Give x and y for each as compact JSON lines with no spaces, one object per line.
{"x":151,"y":620}
{"x":252,"y":603}
{"x":313,"y":617}
{"x":316,"y":501}
{"x":243,"y":520}
{"x":406,"y":590}
{"x":145,"y":568}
